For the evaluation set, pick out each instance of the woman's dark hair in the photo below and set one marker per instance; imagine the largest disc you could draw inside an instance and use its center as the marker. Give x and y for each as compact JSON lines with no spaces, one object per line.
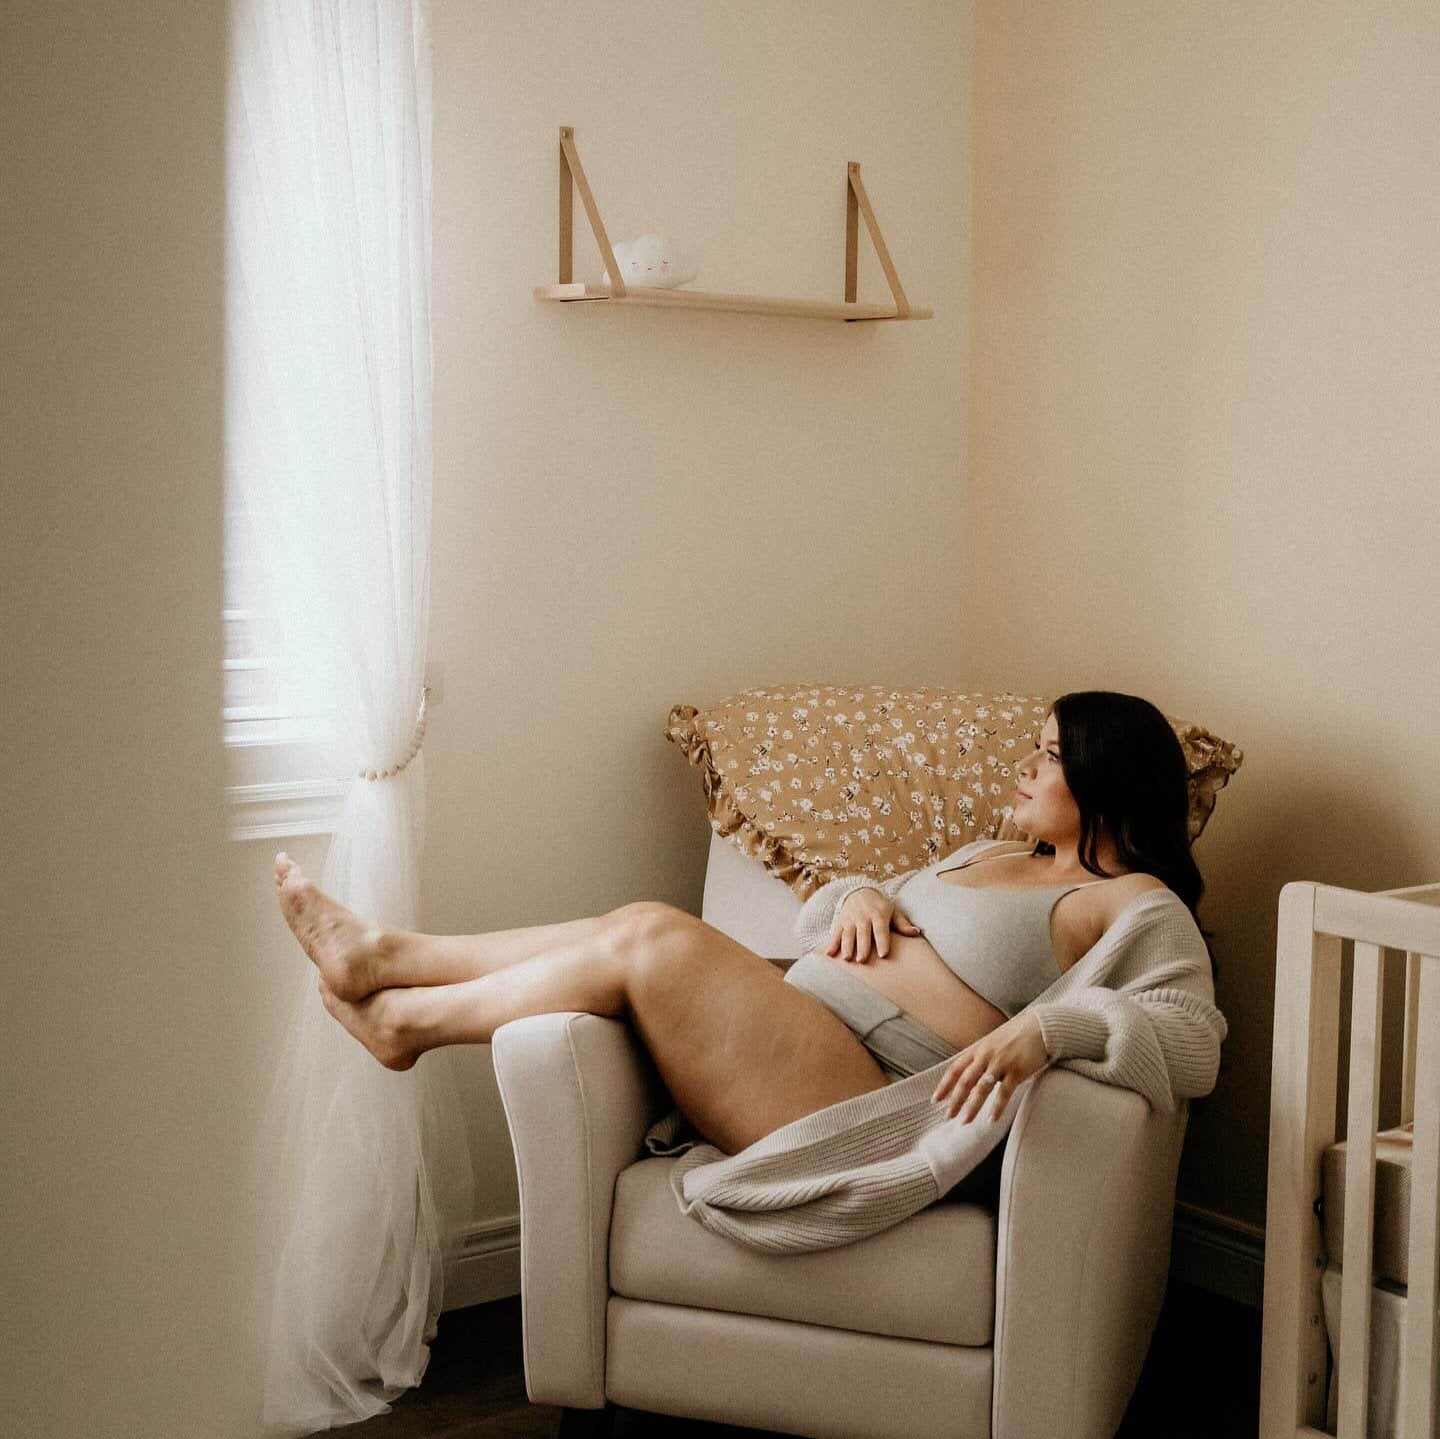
{"x":1124,"y":765}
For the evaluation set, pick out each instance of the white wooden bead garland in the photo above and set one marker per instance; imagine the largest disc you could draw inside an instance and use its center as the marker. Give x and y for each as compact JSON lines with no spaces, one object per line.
{"x":416,"y":740}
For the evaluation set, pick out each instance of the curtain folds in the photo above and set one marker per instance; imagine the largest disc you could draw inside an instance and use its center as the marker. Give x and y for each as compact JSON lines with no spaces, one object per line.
{"x":328,"y":443}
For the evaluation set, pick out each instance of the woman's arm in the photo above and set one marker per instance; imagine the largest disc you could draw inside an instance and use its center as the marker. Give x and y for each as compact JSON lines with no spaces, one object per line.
{"x":1163,"y":1042}
{"x":1150,"y":1022}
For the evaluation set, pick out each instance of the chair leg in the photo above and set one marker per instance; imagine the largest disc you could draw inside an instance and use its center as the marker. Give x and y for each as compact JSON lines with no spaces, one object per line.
{"x":587,"y":1423}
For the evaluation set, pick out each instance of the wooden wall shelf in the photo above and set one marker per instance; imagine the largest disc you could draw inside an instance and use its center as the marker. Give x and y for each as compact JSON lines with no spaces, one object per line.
{"x":568,"y":290}
{"x":741,"y":304}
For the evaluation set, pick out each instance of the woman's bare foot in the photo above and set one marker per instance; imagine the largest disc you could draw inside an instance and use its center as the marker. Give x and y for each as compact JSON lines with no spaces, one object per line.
{"x":376,"y":1023}
{"x":349,"y":953}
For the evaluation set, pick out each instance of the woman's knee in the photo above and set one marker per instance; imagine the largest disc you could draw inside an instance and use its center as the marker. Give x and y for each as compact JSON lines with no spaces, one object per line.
{"x":648,"y":916}
{"x":652,"y":934}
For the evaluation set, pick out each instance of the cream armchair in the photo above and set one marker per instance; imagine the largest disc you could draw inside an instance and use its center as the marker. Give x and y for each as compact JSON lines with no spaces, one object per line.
{"x":1021,"y":1309}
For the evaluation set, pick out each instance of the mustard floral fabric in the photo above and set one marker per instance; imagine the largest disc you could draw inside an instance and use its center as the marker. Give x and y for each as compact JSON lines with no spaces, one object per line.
{"x":817,"y":781}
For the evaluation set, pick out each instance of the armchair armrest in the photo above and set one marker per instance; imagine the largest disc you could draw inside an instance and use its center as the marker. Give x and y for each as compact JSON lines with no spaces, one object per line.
{"x":1087,"y":1202}
{"x":579,"y":1093}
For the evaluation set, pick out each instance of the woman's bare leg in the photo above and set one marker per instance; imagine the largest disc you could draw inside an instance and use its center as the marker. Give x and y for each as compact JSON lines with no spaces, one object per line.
{"x":356,"y":958}
{"x":740,"y":1051}
{"x":398,"y":1025}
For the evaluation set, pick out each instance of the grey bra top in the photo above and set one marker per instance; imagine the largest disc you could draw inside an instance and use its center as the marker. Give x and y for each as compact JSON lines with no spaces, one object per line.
{"x":996,"y":940}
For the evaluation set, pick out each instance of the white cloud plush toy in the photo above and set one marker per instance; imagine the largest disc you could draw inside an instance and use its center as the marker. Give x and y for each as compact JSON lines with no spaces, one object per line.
{"x":653,"y":262}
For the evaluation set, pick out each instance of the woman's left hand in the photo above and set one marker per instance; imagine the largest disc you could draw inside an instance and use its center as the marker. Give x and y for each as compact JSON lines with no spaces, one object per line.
{"x":1012,"y":1053}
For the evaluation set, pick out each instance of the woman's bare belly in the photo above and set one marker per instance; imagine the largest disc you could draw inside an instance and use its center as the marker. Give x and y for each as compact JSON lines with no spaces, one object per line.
{"x":916,"y":978}
{"x":913,"y":976}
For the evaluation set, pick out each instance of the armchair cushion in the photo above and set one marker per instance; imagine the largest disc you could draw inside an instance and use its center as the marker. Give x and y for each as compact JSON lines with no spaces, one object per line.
{"x":816,"y":781}
{"x":891,"y":1284}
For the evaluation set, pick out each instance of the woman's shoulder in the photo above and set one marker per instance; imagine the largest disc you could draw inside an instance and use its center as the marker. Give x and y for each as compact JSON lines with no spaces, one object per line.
{"x":1118,"y":893}
{"x":1134,"y":882}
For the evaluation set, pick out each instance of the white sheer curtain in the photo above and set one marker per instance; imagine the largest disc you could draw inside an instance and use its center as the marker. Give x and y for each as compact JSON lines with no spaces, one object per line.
{"x":328,"y":438}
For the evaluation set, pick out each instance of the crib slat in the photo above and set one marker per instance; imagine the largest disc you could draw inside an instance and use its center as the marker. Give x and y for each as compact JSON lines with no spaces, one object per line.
{"x":1366,"y":996}
{"x":1412,"y":1020}
{"x":1417,"y":1411}
{"x":1378,"y":918}
{"x":1302,"y":1126}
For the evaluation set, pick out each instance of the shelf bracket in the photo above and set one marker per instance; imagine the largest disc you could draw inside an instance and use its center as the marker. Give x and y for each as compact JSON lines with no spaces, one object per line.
{"x":572,"y":177}
{"x":857,"y":203}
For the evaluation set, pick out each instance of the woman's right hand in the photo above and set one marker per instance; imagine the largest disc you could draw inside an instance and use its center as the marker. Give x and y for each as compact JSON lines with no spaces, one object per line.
{"x":866,"y":915}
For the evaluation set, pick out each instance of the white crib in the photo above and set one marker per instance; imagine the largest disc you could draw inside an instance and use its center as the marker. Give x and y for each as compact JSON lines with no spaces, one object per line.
{"x":1311,"y":1176}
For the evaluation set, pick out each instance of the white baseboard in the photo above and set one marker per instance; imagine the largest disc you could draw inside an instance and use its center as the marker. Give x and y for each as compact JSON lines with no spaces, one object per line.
{"x":1216,"y":1253}
{"x":487,"y":1266}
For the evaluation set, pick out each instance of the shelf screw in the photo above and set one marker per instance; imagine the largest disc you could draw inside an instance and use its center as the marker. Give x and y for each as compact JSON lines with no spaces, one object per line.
{"x":1312,"y":1378}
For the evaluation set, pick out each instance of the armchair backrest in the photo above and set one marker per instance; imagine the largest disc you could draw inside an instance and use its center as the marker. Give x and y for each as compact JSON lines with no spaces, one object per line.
{"x":748,"y":903}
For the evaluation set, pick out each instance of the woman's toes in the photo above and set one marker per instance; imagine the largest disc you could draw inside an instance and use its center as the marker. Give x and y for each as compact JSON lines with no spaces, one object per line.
{"x":286,"y":870}
{"x":295,"y":905}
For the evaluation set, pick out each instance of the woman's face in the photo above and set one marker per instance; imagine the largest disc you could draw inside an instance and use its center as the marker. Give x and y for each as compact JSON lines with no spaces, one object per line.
{"x":1044,"y":805}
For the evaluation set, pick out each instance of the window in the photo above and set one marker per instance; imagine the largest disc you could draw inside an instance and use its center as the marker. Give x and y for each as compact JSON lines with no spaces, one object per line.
{"x":279,"y":784}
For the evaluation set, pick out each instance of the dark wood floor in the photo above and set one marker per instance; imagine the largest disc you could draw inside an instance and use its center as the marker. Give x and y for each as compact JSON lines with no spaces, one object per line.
{"x":1202,"y":1377}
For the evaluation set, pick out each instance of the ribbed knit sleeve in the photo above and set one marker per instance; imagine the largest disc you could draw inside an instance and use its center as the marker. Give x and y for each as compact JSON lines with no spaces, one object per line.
{"x":816,"y":920}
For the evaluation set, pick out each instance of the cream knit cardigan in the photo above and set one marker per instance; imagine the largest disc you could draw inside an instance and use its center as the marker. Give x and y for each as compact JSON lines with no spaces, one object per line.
{"x":1138,"y":1011}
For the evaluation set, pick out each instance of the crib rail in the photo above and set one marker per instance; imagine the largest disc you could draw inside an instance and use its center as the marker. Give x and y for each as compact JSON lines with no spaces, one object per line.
{"x":1313,"y":921}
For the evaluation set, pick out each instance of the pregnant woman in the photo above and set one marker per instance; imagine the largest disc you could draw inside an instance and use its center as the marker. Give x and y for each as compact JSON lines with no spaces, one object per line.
{"x":897,"y":977}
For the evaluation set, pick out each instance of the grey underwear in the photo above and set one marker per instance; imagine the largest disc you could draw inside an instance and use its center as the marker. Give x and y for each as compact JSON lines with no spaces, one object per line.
{"x":901,"y":1044}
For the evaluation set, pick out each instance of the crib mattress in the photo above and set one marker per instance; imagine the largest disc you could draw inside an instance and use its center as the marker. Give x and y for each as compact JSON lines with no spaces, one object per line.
{"x":1393,"y":1149}
{"x":1387,"y":1356}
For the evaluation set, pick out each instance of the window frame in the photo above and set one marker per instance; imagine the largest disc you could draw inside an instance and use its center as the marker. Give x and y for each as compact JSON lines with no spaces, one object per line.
{"x":280,"y":784}
{"x":279,"y":766}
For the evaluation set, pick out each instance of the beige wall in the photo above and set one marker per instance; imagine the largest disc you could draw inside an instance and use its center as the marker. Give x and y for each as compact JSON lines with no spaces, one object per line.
{"x":636,"y":508}
{"x":1205,"y":435}
{"x":1195,"y":457}
{"x":1200,"y":425}
{"x":134,"y":1062}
